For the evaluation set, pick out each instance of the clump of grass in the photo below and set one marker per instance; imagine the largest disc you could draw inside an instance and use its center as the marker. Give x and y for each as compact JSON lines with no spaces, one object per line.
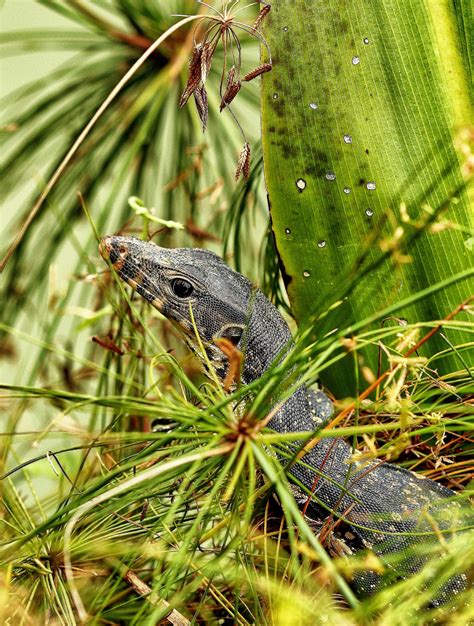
{"x":132,"y":494}
{"x":164,"y":502}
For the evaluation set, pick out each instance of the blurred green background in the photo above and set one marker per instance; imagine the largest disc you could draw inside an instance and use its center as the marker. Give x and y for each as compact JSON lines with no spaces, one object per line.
{"x":52,"y":299}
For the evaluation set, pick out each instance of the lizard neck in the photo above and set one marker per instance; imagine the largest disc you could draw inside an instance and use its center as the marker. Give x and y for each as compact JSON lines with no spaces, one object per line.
{"x":267,"y":337}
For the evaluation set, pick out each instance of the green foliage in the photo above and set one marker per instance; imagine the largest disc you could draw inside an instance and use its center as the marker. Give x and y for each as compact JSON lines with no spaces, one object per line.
{"x":360,"y":130}
{"x":132,"y":485}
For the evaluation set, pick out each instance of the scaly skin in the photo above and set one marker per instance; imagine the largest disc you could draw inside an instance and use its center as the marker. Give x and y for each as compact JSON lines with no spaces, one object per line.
{"x":383,"y":504}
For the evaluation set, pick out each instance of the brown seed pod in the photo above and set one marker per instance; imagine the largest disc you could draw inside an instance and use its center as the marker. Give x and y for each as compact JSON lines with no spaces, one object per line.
{"x":194,"y":76}
{"x":243,"y":165}
{"x":264,"y":11}
{"x":206,"y":59}
{"x":232,"y":89}
{"x":200,"y":99}
{"x":230,"y":94}
{"x":231,"y":76}
{"x":261,"y":69}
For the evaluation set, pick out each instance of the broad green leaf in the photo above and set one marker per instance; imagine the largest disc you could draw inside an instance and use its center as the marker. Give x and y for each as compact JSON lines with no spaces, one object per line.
{"x":364,"y":126}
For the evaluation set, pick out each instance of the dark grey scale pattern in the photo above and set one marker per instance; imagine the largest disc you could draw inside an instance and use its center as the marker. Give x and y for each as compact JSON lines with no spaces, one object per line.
{"x":127,"y":270}
{"x":320,"y":406}
{"x":379,"y":501}
{"x":383,"y":499}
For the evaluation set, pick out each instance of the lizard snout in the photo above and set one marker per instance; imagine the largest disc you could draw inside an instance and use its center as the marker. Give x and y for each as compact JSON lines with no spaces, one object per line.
{"x":114,"y":249}
{"x":105,"y":247}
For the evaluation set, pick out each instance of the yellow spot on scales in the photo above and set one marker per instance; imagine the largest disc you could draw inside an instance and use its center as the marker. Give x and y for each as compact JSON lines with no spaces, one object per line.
{"x":158,"y":303}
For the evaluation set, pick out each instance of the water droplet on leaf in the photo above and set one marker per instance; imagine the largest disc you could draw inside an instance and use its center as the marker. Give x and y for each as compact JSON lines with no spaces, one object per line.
{"x":347,"y":139}
{"x":366,"y":41}
{"x":322,"y":243}
{"x":330,"y":176}
{"x":469,"y":243}
{"x":275,"y":96}
{"x":313,"y":105}
{"x":306,"y":274}
{"x":285,"y":29}
{"x":371,"y":186}
{"x":301,"y":184}
{"x":355,"y":60}
{"x":369,"y":212}
{"x":288,"y":231}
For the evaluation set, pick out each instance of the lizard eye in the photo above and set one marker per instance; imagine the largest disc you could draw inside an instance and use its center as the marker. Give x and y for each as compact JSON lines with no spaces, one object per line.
{"x":181,"y":288}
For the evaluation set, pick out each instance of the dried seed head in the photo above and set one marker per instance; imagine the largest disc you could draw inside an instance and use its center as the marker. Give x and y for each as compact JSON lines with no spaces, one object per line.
{"x":221,"y":27}
{"x":200,"y":99}
{"x":264,"y":11}
{"x":231,"y":76}
{"x":206,"y":59}
{"x":230,"y":93}
{"x":232,"y":89}
{"x":243,"y":165}
{"x":194,"y":77}
{"x":261,"y":69}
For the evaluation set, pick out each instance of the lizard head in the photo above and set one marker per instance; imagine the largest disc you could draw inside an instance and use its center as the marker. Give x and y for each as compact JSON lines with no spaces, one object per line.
{"x":193,"y":288}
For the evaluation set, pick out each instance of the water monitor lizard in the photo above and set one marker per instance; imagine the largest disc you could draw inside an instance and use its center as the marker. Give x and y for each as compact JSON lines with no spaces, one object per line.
{"x":389,"y":508}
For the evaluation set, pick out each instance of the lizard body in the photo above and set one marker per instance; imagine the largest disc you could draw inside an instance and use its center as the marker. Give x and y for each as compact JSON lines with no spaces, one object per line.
{"x":385,"y":505}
